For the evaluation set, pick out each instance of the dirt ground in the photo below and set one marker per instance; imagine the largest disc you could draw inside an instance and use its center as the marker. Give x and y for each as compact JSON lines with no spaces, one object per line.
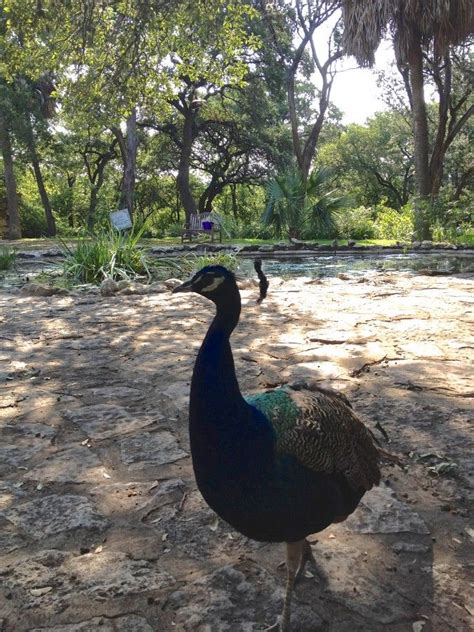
{"x":101,"y":525}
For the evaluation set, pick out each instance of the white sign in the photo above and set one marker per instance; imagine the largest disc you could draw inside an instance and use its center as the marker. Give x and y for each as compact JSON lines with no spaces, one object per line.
{"x":121,"y":220}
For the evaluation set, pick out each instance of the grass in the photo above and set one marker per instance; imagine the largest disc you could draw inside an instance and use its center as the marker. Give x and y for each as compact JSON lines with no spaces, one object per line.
{"x":7,"y":258}
{"x":109,"y":254}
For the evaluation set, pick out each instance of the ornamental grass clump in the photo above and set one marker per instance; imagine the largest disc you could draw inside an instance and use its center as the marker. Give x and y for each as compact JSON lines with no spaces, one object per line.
{"x":109,"y":254}
{"x":7,"y":258}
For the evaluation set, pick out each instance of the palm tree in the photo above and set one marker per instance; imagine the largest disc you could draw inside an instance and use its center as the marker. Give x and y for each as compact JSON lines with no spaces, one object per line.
{"x":298,"y":204}
{"x":414,"y":25}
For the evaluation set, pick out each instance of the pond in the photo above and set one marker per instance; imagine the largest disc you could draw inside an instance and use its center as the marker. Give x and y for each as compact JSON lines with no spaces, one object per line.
{"x":40,"y":269}
{"x":358,"y":265}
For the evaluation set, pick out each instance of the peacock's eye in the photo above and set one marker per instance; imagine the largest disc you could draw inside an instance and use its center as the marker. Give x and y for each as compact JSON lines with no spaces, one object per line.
{"x":213,"y":282}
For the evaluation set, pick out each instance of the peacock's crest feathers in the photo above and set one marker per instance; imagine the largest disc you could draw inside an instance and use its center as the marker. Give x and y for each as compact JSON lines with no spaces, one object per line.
{"x":319,"y":428}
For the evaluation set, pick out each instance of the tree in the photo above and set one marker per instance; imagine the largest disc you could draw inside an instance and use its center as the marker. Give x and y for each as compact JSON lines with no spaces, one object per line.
{"x":415,"y":26}
{"x":14,"y":228}
{"x":374,"y":161}
{"x":291,"y":28}
{"x":128,"y":146}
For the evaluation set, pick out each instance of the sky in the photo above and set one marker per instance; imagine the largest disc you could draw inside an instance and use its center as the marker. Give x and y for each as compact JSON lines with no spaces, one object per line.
{"x":355,"y":91}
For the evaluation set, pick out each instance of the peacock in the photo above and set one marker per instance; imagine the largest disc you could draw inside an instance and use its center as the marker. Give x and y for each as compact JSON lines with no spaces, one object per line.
{"x":278,"y":465}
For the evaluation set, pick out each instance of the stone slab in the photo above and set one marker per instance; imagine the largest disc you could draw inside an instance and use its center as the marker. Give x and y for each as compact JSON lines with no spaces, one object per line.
{"x":128,"y":623}
{"x":101,"y":421}
{"x":381,"y":512}
{"x":76,"y":465}
{"x":55,"y":514}
{"x":148,"y":449}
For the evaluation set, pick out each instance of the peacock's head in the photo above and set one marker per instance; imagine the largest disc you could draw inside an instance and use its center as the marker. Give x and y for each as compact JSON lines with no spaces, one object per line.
{"x":213,"y":282}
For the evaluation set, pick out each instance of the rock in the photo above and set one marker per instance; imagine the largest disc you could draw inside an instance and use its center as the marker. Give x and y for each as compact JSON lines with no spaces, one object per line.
{"x":409,"y":547}
{"x":55,"y":514}
{"x":100,"y":421}
{"x":170,"y":284}
{"x":380,"y":512}
{"x":426,"y":244}
{"x":157,"y":288}
{"x":74,"y":465}
{"x":334,"y":243}
{"x":266,"y":248}
{"x":416,"y":245}
{"x":10,"y":541}
{"x":148,"y":449}
{"x":88,"y":578}
{"x":128,"y":623}
{"x":351,"y":243}
{"x":35,"y":289}
{"x":123,"y":284}
{"x":108,"y":287}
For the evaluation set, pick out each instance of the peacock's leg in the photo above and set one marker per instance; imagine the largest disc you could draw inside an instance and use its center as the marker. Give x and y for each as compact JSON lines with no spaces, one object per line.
{"x":294,"y":558}
{"x":297,"y":553}
{"x":306,"y":556}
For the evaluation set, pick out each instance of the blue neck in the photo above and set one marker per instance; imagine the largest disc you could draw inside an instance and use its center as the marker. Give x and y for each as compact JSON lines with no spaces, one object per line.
{"x":214,"y":386}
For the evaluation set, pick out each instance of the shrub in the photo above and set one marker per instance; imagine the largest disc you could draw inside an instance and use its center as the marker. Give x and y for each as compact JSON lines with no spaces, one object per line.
{"x":355,"y":223}
{"x":109,"y":254}
{"x":392,"y":224}
{"x":7,"y":258}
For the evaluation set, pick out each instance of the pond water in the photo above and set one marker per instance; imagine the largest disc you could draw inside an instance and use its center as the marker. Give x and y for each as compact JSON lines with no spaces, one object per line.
{"x":358,"y":265}
{"x":305,"y":265}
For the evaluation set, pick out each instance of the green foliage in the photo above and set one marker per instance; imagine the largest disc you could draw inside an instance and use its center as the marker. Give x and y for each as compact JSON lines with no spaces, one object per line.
{"x":356,"y":223}
{"x":374,"y":160}
{"x":303,"y":207}
{"x":392,"y":224}
{"x":109,"y":254}
{"x":174,"y":229}
{"x":376,"y":222}
{"x":7,"y":258}
{"x":192,"y":263}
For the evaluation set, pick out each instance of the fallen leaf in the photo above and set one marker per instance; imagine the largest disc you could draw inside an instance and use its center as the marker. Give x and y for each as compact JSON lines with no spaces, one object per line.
{"x":418,"y":626}
{"x":37,"y":592}
{"x":215,"y":523}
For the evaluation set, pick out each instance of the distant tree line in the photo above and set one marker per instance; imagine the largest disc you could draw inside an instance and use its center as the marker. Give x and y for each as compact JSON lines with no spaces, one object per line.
{"x":175,"y":107}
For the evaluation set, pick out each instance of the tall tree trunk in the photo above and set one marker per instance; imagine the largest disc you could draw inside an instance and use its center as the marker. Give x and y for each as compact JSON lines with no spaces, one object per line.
{"x":182,"y":180}
{"x":92,"y":209}
{"x":70,"y":200}
{"x":420,"y":132}
{"x":50,"y":223}
{"x":209,"y":194}
{"x":128,"y":150}
{"x":235,"y":206}
{"x":14,"y":227}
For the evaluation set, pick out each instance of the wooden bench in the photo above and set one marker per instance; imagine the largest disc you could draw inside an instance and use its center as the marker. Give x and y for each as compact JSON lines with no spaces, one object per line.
{"x":202,"y":224}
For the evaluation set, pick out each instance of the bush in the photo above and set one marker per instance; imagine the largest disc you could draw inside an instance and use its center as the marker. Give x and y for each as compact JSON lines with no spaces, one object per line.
{"x":355,"y":223}
{"x":7,"y":258}
{"x":175,"y":229}
{"x":33,"y":222}
{"x":110,"y":254}
{"x":392,"y":224}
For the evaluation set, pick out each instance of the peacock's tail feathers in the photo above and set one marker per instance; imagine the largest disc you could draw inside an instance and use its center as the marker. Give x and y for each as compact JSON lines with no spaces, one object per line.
{"x":320,"y":429}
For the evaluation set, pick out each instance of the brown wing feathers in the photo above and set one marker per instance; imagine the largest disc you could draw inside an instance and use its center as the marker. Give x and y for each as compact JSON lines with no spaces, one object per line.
{"x":329,"y":437}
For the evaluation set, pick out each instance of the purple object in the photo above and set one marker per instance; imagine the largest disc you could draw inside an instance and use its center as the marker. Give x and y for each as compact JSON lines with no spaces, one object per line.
{"x":207,"y":225}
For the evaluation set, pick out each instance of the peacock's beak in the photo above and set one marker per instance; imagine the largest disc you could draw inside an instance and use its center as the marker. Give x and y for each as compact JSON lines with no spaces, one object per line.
{"x":187,"y":286}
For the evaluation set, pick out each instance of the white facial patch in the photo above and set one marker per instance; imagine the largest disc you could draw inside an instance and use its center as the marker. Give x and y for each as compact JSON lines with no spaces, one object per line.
{"x":213,"y":285}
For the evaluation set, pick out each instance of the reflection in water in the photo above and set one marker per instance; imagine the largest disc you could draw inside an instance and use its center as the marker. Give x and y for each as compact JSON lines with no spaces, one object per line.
{"x":358,"y":265}
{"x":42,"y":269}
